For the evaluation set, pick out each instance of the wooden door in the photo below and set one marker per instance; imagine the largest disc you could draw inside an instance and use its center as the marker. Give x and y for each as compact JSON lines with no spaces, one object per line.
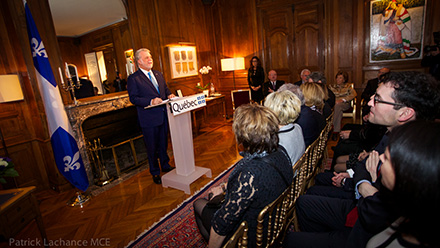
{"x":293,"y":37}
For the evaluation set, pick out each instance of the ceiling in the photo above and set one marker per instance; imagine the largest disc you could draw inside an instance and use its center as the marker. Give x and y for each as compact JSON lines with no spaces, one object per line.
{"x":73,"y":18}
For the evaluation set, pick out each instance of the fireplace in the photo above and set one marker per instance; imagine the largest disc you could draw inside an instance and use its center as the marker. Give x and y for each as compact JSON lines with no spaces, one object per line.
{"x":109,"y":137}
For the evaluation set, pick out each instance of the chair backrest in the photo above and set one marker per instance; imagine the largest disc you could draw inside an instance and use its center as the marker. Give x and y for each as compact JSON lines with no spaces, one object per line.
{"x":351,"y":112}
{"x":240,"y":97}
{"x":239,"y":239}
{"x":275,"y":213}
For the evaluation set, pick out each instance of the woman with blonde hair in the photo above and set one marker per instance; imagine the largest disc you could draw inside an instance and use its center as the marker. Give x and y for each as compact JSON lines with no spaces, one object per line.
{"x":311,"y":115}
{"x":287,"y":107}
{"x":256,"y":180}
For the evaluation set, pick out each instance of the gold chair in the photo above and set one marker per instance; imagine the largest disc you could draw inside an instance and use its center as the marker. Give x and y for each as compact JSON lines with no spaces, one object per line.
{"x":240,"y":237}
{"x":351,"y":112}
{"x":273,"y":216}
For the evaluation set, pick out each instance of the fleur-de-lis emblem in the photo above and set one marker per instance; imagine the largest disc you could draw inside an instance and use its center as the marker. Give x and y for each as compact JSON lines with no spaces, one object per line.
{"x":71,"y":164}
{"x":38,"y":48}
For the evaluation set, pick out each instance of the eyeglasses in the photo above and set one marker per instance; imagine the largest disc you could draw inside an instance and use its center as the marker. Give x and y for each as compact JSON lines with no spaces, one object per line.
{"x":377,"y":100}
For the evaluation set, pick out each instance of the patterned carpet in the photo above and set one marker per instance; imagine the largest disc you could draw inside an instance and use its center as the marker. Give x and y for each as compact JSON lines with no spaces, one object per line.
{"x":178,"y":228}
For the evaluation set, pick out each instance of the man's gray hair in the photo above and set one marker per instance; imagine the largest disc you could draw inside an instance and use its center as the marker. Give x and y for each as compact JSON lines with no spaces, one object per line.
{"x":137,"y":55}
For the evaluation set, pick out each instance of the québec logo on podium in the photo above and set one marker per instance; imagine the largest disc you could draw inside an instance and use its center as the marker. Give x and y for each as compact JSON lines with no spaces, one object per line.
{"x":185,"y":104}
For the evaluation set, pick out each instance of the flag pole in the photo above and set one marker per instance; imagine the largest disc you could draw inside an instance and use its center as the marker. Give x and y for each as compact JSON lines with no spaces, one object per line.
{"x":65,"y":148}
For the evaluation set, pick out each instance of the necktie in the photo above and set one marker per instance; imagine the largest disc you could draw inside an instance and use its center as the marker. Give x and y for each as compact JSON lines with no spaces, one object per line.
{"x":273,"y":85}
{"x":153,"y":80}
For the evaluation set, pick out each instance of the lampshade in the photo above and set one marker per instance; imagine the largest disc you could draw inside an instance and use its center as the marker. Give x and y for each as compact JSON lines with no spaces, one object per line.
{"x":10,"y":89}
{"x":232,"y":64}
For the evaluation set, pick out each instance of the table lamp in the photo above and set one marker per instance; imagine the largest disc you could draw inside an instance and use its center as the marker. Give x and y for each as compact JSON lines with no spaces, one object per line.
{"x":232,"y":64}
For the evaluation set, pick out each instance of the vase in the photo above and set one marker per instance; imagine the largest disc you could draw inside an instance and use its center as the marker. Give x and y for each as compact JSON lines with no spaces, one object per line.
{"x":206,"y":92}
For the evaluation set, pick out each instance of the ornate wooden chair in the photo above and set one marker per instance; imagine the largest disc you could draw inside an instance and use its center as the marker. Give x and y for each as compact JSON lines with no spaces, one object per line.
{"x":239,"y":239}
{"x":240,"y":97}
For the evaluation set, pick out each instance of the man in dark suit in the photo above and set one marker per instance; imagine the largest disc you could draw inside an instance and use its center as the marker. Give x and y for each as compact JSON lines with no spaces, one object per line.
{"x":304,"y":75}
{"x":273,"y":84}
{"x":370,"y":89}
{"x":147,"y":87}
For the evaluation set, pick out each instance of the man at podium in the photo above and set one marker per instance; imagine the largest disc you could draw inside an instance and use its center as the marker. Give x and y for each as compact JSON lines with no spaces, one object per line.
{"x":147,"y":87}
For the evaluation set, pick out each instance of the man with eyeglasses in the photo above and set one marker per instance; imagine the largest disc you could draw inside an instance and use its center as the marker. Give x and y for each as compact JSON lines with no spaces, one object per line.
{"x":334,"y":222}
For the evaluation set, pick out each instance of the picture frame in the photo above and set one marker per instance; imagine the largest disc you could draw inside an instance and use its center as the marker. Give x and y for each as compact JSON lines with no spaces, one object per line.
{"x":183,"y":61}
{"x":396,"y":30}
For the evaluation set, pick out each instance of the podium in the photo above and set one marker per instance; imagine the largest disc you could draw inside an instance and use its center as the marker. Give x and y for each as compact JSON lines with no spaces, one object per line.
{"x":179,"y":119}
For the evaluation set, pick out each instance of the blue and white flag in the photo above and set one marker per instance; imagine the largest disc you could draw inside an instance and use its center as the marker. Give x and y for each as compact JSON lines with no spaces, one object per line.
{"x":65,"y":148}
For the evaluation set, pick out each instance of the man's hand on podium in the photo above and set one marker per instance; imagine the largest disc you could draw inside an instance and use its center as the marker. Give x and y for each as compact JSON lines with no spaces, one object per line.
{"x":156,"y":101}
{"x":170,"y":96}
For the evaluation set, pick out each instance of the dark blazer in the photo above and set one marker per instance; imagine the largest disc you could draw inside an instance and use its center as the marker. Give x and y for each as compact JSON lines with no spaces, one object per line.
{"x":268,"y":85}
{"x":298,"y":83}
{"x":141,"y":91}
{"x":311,"y":123}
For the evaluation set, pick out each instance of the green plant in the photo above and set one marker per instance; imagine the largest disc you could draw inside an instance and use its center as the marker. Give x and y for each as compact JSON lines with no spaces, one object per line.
{"x":203,"y":87}
{"x":7,"y":169}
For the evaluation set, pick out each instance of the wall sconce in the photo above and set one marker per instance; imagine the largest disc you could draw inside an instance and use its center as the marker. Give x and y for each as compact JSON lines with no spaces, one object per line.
{"x":10,"y":88}
{"x":232,"y":64}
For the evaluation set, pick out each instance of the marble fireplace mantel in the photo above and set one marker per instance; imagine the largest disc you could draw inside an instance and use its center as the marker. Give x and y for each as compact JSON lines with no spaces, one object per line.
{"x":77,"y":114}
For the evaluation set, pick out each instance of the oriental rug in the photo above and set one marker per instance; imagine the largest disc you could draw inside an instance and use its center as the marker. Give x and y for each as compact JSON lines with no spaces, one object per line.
{"x":178,"y":228}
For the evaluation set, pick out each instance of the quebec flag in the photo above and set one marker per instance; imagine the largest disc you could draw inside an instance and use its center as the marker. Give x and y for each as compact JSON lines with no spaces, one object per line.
{"x":65,"y":148}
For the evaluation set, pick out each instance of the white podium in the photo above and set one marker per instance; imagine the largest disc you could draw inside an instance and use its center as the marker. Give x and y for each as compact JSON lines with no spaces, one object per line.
{"x":179,"y":118}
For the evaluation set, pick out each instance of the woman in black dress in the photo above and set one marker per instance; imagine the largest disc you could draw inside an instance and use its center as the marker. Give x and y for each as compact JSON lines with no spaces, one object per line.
{"x":256,"y":79}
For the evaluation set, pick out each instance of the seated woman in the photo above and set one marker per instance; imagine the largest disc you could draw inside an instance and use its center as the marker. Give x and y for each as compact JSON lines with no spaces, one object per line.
{"x":311,"y":119}
{"x":344,"y":93}
{"x":410,"y":172}
{"x":257,"y":180}
{"x":329,"y":97}
{"x":287,"y":107}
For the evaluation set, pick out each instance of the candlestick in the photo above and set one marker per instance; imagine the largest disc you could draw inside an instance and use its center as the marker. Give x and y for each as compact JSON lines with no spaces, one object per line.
{"x":61,"y":76}
{"x":67,"y":71}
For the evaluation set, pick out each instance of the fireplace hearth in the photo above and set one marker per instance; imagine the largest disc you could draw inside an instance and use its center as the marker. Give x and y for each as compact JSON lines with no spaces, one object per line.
{"x":108,"y":136}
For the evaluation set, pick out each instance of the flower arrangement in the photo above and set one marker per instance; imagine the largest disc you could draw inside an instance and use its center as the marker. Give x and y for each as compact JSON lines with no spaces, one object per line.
{"x":205,"y":69}
{"x":7,"y":169}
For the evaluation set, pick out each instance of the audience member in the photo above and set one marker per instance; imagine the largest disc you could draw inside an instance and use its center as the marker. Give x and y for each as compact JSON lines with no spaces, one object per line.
{"x":85,"y":90}
{"x":273,"y":84}
{"x":257,"y":180}
{"x":256,"y":79}
{"x":370,"y":89}
{"x":304,"y":76}
{"x":329,"y":97}
{"x":287,"y":107}
{"x":353,"y":140}
{"x":119,"y":83}
{"x":332,"y":222}
{"x":311,"y":119}
{"x":411,"y":178}
{"x":344,"y":93}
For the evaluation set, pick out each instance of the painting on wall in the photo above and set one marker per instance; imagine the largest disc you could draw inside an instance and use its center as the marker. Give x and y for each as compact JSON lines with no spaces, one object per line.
{"x":396,"y":30}
{"x":129,"y":62}
{"x":183,"y":61}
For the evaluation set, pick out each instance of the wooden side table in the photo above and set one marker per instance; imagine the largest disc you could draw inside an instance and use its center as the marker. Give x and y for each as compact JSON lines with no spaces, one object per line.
{"x":17,"y":209}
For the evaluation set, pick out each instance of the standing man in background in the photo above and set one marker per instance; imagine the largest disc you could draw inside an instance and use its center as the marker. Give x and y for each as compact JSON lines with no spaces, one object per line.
{"x":147,"y":87}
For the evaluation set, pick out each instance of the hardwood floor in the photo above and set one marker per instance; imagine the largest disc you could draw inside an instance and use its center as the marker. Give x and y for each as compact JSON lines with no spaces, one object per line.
{"x":118,"y":215}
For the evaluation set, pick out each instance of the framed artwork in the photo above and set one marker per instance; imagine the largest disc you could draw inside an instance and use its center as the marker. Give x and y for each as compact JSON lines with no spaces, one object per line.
{"x":183,"y":61}
{"x":396,"y":30}
{"x":129,"y":62}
